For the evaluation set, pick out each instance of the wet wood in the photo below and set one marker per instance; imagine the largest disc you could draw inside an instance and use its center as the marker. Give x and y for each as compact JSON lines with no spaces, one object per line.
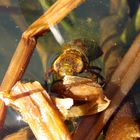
{"x":18,"y":63}
{"x":27,"y":43}
{"x":121,"y":82}
{"x":38,"y":110}
{"x":23,"y":134}
{"x":20,"y":21}
{"x":2,"y":113}
{"x":54,"y":15}
{"x":87,"y":122}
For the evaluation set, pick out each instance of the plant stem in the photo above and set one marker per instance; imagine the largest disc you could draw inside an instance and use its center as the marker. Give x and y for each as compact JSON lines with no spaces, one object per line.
{"x":121,"y":82}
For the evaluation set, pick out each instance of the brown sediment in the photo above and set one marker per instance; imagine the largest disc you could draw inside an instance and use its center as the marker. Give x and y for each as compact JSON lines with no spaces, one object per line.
{"x":124,"y":126}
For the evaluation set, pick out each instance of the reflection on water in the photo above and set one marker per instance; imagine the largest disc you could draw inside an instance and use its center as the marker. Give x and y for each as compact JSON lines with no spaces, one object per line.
{"x":87,"y":21}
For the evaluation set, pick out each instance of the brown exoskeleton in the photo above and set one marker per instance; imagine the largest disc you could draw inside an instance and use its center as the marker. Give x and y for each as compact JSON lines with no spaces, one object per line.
{"x":75,"y":58}
{"x":78,"y":80}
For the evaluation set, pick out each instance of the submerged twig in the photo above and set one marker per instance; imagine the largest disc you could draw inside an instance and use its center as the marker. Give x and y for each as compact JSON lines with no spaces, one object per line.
{"x":121,"y":82}
{"x":112,"y":53}
{"x":2,"y":113}
{"x":20,"y":21}
{"x":22,"y":134}
{"x":18,"y":63}
{"x":46,"y":4}
{"x":28,"y":41}
{"x":50,"y":18}
{"x":84,"y":127}
{"x":37,"y":109}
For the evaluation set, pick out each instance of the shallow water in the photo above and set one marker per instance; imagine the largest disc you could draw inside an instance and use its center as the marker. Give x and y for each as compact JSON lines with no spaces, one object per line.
{"x":84,"y":22}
